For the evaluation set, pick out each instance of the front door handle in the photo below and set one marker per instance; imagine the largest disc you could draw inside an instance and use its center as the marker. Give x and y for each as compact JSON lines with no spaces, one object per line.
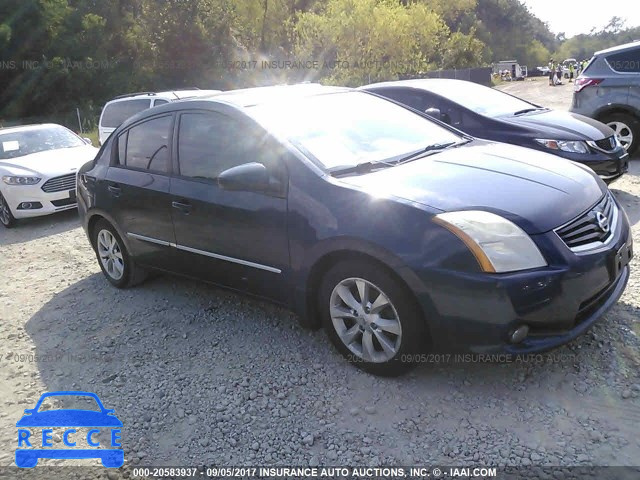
{"x":184,"y":207}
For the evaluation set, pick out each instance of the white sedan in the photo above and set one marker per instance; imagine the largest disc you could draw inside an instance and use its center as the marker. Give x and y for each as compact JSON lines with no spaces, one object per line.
{"x":38,"y":165}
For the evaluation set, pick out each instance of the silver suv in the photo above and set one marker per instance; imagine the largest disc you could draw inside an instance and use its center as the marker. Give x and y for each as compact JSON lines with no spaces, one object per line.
{"x":609,"y":90}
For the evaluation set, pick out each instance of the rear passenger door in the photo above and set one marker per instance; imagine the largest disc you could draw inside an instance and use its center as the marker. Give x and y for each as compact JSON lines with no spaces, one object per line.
{"x":627,"y":64}
{"x":138,"y":189}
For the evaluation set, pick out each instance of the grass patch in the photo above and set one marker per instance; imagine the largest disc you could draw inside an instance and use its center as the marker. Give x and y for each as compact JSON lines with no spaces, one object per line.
{"x":93,"y":135}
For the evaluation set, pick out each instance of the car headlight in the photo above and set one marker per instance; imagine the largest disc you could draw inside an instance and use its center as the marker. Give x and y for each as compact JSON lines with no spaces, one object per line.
{"x":573,"y":146}
{"x":499,"y":245}
{"x":17,"y":180}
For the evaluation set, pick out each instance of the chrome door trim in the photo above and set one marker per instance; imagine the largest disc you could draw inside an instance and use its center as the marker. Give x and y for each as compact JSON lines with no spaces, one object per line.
{"x":229,"y":259}
{"x":205,"y":253}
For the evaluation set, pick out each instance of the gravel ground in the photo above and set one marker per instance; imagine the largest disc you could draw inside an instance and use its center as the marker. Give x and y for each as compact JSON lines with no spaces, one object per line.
{"x":199,"y":375}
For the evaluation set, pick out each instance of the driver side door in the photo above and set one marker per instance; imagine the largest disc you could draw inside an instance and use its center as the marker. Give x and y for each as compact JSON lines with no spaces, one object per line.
{"x":234,"y":238}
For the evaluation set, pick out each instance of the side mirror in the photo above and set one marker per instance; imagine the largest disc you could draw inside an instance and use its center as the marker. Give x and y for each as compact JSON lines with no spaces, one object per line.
{"x":434,"y":112}
{"x":252,"y":177}
{"x":87,"y":141}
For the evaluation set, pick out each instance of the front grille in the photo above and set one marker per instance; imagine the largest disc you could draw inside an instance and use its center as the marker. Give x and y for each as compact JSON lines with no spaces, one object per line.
{"x":607,"y":144}
{"x":59,"y":184}
{"x":591,"y":229}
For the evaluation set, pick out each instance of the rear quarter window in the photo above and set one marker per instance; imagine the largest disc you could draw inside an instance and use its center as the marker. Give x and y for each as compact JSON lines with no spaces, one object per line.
{"x":625,"y":62}
{"x":116,"y":113}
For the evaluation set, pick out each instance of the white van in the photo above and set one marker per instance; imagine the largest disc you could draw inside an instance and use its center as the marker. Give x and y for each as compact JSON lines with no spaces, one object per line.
{"x":116,"y":111}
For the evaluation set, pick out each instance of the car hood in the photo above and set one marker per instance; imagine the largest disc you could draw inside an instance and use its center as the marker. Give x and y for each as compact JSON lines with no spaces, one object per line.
{"x":69,"y":418}
{"x":557,"y":125}
{"x":50,"y":163}
{"x":536,"y":190}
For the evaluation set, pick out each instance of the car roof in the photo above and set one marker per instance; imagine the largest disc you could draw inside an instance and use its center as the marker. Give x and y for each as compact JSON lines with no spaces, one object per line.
{"x":171,"y":95}
{"x":258,"y":95}
{"x":619,"y":48}
{"x":430,"y":84}
{"x":240,"y":99}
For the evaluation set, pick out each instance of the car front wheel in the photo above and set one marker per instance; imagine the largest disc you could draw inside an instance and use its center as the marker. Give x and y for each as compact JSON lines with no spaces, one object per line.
{"x":6,"y":217}
{"x":371,"y":318}
{"x":114,"y":259}
{"x":627,"y":129}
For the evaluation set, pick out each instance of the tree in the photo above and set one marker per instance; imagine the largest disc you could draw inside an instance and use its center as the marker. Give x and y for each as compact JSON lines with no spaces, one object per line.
{"x":360,"y":41}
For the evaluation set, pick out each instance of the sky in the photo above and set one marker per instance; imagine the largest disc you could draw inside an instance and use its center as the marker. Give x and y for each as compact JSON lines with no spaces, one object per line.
{"x":579,"y":16}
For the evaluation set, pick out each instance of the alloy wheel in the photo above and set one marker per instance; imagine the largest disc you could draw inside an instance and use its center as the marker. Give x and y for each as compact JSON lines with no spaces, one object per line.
{"x":110,"y":254}
{"x":623,"y":132}
{"x":365,"y":320}
{"x":5,"y":213}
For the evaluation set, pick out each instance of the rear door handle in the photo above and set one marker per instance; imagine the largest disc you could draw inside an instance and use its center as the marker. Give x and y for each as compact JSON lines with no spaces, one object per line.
{"x":184,"y":207}
{"x":114,"y":189}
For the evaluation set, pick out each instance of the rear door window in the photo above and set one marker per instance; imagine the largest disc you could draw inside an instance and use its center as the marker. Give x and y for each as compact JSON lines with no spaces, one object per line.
{"x":146,"y":145}
{"x":116,"y":113}
{"x":414,"y":99}
{"x":625,"y":62}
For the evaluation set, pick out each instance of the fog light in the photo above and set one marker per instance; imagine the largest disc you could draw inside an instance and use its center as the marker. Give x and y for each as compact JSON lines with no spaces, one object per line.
{"x":29,"y":206}
{"x":519,"y":334}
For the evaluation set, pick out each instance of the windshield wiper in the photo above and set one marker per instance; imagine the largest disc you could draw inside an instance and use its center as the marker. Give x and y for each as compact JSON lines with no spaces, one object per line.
{"x":527,"y":110}
{"x":436,"y":147}
{"x":363,"y":167}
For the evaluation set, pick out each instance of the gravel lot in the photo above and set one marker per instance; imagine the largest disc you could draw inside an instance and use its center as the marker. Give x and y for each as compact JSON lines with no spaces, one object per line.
{"x":203,"y":376}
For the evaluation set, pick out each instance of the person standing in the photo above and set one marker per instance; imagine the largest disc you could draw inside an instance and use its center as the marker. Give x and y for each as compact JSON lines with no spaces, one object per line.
{"x":559,"y":73}
{"x":552,"y":71}
{"x":571,"y":69}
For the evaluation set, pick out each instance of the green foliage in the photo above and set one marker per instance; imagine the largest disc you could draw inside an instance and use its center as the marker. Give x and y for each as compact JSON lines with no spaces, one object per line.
{"x":57,"y":55}
{"x":360,"y":41}
{"x":462,"y":51}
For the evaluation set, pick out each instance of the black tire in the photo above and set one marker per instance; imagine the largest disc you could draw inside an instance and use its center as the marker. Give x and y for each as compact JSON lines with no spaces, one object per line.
{"x":412,"y":339}
{"x":6,"y":217}
{"x":631,"y":122}
{"x":131,"y":273}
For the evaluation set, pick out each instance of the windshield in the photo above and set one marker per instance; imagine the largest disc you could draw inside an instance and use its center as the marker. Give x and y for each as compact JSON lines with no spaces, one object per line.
{"x":19,"y":143}
{"x":480,"y":99}
{"x":349,"y":128}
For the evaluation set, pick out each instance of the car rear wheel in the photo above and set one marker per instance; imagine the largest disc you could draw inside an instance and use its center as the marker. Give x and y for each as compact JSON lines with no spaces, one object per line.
{"x":627,"y":129}
{"x":371,"y":318}
{"x":114,"y":259}
{"x":6,"y":217}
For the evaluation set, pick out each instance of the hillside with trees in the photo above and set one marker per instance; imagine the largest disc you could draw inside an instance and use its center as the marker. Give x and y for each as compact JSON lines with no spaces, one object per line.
{"x":59,"y":55}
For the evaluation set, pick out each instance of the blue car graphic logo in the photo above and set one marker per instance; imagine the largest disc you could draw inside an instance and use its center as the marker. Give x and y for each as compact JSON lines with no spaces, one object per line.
{"x":68,"y":418}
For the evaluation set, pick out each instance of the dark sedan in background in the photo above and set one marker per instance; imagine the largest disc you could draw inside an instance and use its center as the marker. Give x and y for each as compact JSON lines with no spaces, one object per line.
{"x":487,"y":113}
{"x":396,"y":233}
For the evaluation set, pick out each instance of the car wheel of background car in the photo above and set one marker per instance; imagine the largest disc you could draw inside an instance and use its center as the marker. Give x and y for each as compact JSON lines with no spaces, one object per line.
{"x":370,"y":317}
{"x":627,"y":129}
{"x":114,"y":260}
{"x":6,"y":217}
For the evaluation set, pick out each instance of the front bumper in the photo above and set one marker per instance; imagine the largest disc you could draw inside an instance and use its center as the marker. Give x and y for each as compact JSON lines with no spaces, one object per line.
{"x":50,"y":202}
{"x":478,"y":312}
{"x":608,"y":166}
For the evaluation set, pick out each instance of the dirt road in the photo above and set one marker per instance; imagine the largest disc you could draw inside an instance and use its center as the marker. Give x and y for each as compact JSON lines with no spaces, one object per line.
{"x":201,"y":376}
{"x":538,"y":91}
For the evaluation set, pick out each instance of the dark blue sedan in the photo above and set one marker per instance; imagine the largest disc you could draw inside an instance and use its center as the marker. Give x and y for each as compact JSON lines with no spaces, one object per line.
{"x":398,"y":234}
{"x":494,"y":115}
